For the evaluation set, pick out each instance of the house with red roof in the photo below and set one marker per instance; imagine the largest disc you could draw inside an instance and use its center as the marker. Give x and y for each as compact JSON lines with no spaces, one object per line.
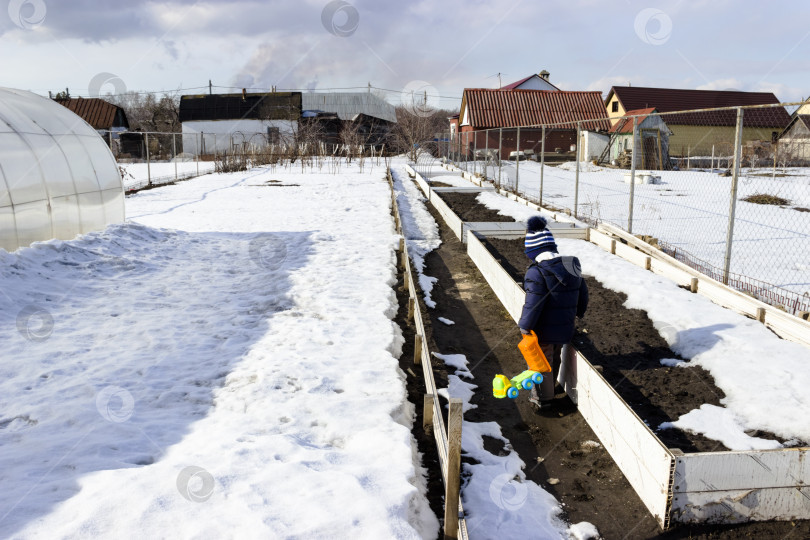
{"x":702,"y":133}
{"x":487,"y":119}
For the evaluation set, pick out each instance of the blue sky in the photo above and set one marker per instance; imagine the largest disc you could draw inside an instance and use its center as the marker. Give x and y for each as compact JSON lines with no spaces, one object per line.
{"x":435,"y":47}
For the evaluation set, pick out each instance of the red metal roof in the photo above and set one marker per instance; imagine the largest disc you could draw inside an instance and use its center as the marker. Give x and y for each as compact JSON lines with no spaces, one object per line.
{"x":675,"y":99}
{"x":489,"y":108}
{"x":625,"y":125}
{"x":514,"y":85}
{"x":95,"y":111}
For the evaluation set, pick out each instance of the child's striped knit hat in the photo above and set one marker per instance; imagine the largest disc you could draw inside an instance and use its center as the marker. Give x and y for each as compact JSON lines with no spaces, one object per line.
{"x":538,"y":238}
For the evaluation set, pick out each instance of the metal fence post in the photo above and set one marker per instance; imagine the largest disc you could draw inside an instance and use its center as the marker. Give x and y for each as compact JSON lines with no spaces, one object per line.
{"x":633,"y":176}
{"x":486,"y":153}
{"x":111,"y":142}
{"x":475,"y":152}
{"x":733,"y":203}
{"x":576,"y":182}
{"x":517,"y":163}
{"x":500,"y":155}
{"x":148,"y":160}
{"x":174,"y":153}
{"x":542,"y":161}
{"x":197,"y":153}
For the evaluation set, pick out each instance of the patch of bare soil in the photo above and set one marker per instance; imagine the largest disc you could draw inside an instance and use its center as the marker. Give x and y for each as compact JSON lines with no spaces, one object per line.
{"x":468,"y":208}
{"x":555,"y":445}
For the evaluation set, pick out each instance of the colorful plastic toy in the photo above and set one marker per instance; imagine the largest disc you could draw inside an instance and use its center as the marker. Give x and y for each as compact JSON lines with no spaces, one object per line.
{"x":503,"y":387}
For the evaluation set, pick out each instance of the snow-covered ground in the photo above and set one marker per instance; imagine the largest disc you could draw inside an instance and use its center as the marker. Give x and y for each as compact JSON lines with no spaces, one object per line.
{"x":689,"y":210}
{"x":137,"y":174}
{"x":764,"y":378}
{"x":224,"y":364}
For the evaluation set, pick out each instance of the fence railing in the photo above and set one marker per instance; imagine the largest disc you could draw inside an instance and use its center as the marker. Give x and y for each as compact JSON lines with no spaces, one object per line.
{"x":726,"y":191}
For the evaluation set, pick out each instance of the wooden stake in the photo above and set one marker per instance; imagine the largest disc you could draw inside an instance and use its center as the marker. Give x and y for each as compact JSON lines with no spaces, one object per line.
{"x":761,"y":314}
{"x":427,"y":413}
{"x":453,"y":484}
{"x":410,"y":308}
{"x":648,"y":263}
{"x":693,"y":286}
{"x":417,"y":349}
{"x":613,"y":247}
{"x":587,"y":233}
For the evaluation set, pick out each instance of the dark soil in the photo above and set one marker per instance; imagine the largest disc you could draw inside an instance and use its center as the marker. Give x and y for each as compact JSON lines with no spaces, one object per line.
{"x":469,"y":209}
{"x":553,"y":445}
{"x":439,"y":184}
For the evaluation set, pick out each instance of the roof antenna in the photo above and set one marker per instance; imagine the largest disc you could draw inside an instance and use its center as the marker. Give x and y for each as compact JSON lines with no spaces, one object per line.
{"x":500,"y":85}
{"x":210,"y":88}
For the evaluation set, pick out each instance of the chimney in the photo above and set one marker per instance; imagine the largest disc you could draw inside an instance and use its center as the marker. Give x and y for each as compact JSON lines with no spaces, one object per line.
{"x":544,"y":74}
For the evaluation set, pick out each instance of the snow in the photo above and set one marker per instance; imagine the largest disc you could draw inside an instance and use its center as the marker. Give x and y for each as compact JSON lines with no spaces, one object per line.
{"x":583,"y":531}
{"x":222,"y":365}
{"x":420,"y":229}
{"x":446,"y":321}
{"x":689,"y":210}
{"x":736,"y":350}
{"x":720,"y":424}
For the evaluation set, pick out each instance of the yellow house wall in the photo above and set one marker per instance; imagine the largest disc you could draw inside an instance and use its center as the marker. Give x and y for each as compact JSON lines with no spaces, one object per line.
{"x":698,"y":140}
{"x":803,"y":109}
{"x":614,"y":115}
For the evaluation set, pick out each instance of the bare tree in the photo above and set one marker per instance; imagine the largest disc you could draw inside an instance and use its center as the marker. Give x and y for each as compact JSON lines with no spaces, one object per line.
{"x":415,"y":127}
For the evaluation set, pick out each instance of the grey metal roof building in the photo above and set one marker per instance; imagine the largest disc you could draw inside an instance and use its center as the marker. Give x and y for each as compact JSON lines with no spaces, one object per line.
{"x":347,"y":105}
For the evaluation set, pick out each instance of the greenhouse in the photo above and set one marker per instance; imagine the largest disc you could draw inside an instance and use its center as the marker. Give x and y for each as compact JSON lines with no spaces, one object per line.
{"x":57,"y":176}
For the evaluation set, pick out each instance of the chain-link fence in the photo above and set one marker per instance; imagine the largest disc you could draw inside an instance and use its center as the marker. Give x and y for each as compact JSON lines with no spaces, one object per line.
{"x":152,"y":159}
{"x":726,"y":191}
{"x":149,"y":159}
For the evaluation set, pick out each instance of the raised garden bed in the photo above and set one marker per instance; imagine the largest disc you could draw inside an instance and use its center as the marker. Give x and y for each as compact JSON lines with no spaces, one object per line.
{"x":629,"y":350}
{"x":466,"y":207}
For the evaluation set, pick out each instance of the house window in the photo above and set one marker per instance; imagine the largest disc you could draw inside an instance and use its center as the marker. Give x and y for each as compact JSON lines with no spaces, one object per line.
{"x":615,"y":106}
{"x":774,"y":136}
{"x":273,"y":135}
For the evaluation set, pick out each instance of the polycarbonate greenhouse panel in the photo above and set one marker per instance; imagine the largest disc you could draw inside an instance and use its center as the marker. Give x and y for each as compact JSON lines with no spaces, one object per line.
{"x":58,"y":178}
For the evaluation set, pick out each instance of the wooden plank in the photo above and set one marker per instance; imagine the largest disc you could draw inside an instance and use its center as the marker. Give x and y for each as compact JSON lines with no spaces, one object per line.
{"x":427,"y":412}
{"x":737,"y":506}
{"x":639,"y":454}
{"x":508,"y":292}
{"x":630,"y":254}
{"x":601,"y":239}
{"x":670,"y":272}
{"x":453,"y":483}
{"x":713,"y":471}
{"x":479,"y":189}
